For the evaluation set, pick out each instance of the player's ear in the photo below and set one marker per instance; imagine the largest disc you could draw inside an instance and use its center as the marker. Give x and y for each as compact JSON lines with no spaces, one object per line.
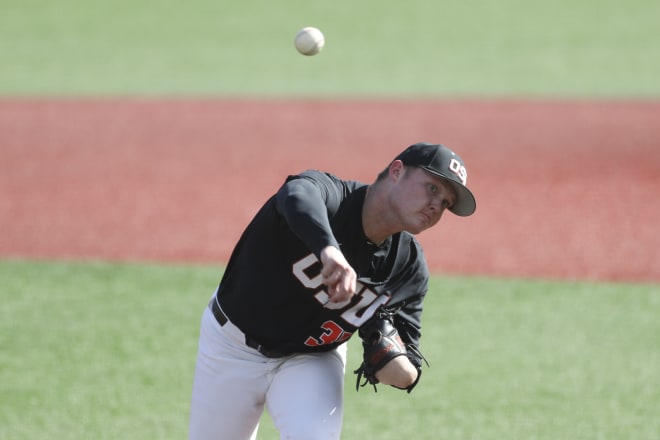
{"x":396,"y":169}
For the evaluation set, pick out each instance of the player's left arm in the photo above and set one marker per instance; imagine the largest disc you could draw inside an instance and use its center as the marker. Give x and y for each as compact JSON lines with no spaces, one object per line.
{"x":407,"y":322}
{"x":390,"y":347}
{"x":391,"y":337}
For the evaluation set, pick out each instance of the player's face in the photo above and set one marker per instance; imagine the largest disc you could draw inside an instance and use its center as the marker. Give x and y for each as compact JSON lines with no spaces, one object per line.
{"x":421,"y":199}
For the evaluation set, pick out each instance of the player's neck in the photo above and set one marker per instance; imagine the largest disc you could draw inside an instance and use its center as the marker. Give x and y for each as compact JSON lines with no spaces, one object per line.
{"x":374,"y":217}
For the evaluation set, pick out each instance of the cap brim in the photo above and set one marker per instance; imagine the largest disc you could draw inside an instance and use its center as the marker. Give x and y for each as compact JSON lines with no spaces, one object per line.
{"x":465,"y":203}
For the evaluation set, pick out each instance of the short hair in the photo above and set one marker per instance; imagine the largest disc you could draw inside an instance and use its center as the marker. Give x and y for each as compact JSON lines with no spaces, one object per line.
{"x":383,"y":174}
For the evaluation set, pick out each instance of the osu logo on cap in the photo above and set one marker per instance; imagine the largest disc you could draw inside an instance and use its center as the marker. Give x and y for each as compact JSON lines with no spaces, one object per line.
{"x":457,"y":168}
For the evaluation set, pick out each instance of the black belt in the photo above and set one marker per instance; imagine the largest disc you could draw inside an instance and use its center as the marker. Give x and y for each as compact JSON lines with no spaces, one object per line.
{"x":249,"y":341}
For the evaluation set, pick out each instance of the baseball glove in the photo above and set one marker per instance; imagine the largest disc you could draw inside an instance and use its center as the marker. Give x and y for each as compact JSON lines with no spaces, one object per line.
{"x":381,"y":343}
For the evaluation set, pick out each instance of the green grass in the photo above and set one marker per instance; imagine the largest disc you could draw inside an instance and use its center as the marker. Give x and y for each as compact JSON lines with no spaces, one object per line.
{"x":584,"y":48}
{"x":106,"y":351}
{"x":96,"y":350}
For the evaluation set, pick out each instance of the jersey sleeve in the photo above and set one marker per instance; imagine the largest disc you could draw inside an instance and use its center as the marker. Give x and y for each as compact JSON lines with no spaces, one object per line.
{"x":408,"y":319}
{"x":304,"y":202}
{"x":407,"y":322}
{"x":409,"y":293}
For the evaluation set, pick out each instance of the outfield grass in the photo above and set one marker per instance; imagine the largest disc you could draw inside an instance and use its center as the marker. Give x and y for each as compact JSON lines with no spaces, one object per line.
{"x":583,"y":48}
{"x":106,"y":351}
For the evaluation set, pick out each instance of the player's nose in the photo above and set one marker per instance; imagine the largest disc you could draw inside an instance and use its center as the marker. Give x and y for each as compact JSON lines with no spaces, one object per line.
{"x":436,"y":204}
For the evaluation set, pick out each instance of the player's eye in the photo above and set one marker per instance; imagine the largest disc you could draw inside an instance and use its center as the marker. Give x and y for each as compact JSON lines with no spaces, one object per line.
{"x":433,"y":189}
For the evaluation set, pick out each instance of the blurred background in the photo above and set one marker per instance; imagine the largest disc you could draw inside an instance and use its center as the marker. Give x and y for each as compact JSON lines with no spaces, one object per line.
{"x":584,"y":48}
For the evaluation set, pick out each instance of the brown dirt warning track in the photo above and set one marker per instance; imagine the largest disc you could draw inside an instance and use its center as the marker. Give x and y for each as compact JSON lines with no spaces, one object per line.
{"x":566,"y":190}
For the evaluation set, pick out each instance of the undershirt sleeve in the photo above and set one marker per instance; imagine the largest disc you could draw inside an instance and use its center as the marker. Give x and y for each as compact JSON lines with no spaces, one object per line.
{"x":303,"y":202}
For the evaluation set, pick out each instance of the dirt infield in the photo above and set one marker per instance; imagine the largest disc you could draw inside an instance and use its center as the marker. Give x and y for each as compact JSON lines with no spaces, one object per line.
{"x":564,"y":189}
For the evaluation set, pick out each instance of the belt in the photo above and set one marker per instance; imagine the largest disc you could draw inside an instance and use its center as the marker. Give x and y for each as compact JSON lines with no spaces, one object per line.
{"x":249,"y":341}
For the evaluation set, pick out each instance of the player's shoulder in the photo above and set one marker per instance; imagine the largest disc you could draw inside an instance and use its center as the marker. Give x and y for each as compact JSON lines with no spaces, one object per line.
{"x":326,"y":179}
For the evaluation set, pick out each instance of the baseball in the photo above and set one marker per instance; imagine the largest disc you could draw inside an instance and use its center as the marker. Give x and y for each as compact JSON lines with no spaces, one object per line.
{"x":309,"y":41}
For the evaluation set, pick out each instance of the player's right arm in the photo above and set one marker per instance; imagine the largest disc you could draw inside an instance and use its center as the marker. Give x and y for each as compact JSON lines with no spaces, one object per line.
{"x":301,"y":201}
{"x":304,"y":201}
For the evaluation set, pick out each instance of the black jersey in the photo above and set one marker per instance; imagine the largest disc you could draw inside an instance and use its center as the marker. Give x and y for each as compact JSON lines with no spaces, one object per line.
{"x":272,"y":287}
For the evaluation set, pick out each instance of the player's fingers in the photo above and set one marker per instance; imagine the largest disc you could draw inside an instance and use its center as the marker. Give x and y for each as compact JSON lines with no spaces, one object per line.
{"x":331,"y":277}
{"x":339,"y":296}
{"x":349,"y":281}
{"x":338,"y":276}
{"x":331,"y":281}
{"x":328,"y":271}
{"x":344,"y":287}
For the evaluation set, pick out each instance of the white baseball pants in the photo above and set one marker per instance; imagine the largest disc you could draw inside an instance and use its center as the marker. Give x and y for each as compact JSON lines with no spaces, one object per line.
{"x":233,"y":383}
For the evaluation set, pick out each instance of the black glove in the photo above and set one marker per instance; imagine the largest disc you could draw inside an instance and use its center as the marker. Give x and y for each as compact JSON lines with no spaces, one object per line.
{"x":381,"y":343}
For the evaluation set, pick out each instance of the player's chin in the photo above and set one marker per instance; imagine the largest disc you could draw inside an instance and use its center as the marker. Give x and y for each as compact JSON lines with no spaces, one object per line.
{"x":421,"y":225}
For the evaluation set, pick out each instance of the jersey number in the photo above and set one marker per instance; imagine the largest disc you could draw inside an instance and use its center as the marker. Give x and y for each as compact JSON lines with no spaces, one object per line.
{"x":333,"y":333}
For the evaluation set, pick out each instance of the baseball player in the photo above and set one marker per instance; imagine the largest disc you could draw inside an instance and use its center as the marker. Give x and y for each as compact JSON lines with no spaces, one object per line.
{"x":323,"y":259}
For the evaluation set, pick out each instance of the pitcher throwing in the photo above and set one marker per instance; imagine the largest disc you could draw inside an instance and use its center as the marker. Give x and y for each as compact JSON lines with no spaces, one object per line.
{"x":323,"y":259}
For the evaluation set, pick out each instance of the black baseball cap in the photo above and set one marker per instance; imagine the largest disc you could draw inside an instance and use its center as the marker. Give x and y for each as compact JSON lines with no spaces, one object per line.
{"x":442,"y":162}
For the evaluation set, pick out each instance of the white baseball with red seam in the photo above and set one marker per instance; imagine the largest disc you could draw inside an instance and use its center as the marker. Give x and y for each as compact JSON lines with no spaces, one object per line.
{"x":309,"y":41}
